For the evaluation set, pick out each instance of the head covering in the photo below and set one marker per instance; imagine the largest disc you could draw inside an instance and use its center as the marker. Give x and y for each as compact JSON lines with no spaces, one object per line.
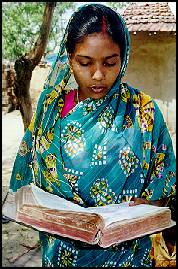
{"x":102,"y":150}
{"x":51,"y":102}
{"x":56,"y":84}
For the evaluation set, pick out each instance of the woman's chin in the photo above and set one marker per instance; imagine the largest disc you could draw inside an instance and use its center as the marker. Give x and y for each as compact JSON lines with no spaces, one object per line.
{"x":92,"y":94}
{"x":98,"y":95}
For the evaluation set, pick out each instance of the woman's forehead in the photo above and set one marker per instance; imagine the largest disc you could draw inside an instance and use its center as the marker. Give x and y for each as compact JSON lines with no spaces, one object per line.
{"x":97,"y":44}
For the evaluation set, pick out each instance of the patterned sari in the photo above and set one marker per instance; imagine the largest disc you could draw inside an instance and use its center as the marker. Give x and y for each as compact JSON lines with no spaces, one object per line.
{"x":102,"y":152}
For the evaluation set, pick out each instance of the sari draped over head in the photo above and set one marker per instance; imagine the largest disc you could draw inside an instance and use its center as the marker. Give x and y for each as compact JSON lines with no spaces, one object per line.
{"x":103,"y":151}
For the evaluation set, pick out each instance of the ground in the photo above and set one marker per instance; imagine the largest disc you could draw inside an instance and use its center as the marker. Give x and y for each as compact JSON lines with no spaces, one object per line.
{"x":17,"y":240}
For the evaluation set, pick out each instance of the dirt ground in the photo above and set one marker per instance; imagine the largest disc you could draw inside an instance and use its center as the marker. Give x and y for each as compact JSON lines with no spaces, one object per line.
{"x":17,"y":239}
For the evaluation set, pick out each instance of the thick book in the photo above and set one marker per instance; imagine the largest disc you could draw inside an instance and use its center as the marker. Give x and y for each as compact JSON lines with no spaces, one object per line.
{"x":104,"y":225}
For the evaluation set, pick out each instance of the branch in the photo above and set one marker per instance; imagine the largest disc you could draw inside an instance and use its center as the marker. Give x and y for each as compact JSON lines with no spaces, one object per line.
{"x":40,"y":45}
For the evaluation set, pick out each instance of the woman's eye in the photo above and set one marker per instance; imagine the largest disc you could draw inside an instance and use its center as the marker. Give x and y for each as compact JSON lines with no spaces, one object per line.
{"x":105,"y":64}
{"x":109,"y":64}
{"x":84,"y":64}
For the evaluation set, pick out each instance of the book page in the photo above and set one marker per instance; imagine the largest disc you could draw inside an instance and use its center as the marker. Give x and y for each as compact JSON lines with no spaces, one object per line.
{"x":52,"y":201}
{"x":119,"y":212}
{"x":110,"y":213}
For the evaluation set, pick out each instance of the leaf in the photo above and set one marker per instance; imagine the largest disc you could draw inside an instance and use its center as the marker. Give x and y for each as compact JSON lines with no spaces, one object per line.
{"x":21,"y":23}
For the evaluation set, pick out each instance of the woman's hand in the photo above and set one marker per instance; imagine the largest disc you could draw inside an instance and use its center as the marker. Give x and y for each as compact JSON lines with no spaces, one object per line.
{"x":137,"y":201}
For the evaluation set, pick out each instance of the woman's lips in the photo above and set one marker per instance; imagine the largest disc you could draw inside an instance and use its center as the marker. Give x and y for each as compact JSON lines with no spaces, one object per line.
{"x":98,"y":89}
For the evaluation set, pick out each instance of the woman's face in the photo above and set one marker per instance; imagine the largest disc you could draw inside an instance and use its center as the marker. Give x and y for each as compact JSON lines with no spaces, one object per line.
{"x":96,"y":63}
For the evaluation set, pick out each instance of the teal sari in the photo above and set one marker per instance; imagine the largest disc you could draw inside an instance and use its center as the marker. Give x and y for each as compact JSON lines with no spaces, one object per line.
{"x":102,"y":152}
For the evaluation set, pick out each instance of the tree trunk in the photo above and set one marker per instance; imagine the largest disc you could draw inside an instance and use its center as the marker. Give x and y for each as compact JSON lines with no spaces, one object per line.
{"x":25,"y":65}
{"x":23,"y":68}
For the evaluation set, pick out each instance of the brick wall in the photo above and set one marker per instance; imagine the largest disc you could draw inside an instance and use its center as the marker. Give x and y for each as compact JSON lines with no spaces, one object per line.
{"x":8,"y":75}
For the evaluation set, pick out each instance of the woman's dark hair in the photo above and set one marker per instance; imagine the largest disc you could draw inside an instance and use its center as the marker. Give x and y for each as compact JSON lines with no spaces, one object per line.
{"x":92,"y":19}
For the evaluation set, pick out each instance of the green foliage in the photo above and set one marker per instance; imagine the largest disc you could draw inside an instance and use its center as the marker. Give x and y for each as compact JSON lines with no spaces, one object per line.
{"x":20,"y":27}
{"x":21,"y":23}
{"x":58,"y":24}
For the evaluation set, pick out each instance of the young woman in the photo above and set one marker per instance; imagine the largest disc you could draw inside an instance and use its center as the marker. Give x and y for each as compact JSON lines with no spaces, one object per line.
{"x":98,"y":143}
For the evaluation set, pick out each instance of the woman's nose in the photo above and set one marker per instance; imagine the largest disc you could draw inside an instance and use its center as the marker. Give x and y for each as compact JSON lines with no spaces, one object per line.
{"x":98,"y":74}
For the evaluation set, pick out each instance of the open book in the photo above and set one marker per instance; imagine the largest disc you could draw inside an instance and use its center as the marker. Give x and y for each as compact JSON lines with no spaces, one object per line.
{"x":105,"y":225}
